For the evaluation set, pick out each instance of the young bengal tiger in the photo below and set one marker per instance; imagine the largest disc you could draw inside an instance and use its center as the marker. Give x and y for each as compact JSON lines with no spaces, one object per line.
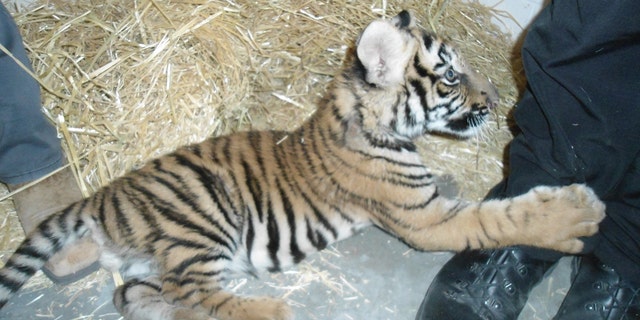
{"x":258,"y":201}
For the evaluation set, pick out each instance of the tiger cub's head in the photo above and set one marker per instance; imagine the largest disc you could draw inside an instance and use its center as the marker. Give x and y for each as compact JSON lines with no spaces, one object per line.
{"x":424,"y":79}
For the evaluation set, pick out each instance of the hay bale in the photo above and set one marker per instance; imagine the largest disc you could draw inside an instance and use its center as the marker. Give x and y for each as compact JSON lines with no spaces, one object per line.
{"x":125,"y":81}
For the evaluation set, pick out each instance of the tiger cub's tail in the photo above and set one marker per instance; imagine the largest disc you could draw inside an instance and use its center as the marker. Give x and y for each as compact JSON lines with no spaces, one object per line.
{"x":42,"y":243}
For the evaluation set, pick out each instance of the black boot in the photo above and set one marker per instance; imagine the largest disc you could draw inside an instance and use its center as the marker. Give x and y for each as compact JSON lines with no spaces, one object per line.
{"x":598,"y":292}
{"x":483,"y":285}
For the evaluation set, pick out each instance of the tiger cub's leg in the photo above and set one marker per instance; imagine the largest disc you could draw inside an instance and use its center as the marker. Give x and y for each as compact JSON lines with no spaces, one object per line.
{"x":142,"y":300}
{"x":547,"y":217}
{"x":196,"y":283}
{"x":212,"y":299}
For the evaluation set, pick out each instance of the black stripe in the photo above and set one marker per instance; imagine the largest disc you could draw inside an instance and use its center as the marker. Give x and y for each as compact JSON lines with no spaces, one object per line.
{"x":347,"y":165}
{"x":25,"y":270}
{"x":508,"y":213}
{"x":182,"y":280}
{"x":418,"y":206}
{"x":428,"y":41}
{"x":422,"y":71}
{"x":390,"y":143}
{"x":296,"y":184}
{"x":211,"y":184}
{"x":485,"y":232}
{"x":291,"y":220}
{"x":196,"y":150}
{"x":274,"y":239}
{"x":409,"y":116}
{"x":307,"y":198}
{"x":12,"y":284}
{"x":315,"y":237}
{"x":336,"y":114}
{"x":224,"y":198}
{"x":187,"y":294}
{"x":60,"y":221}
{"x":387,"y":159}
{"x":207,"y":275}
{"x":121,"y":217}
{"x":364,"y":202}
{"x":250,"y":238}
{"x":297,"y":254}
{"x":480,"y":242}
{"x":135,"y":283}
{"x":199,"y":258}
{"x":142,"y":209}
{"x":186,"y":243}
{"x":217,"y":307}
{"x":211,"y":147}
{"x":149,"y":284}
{"x":226,"y":148}
{"x":170,"y":212}
{"x":315,"y":145}
{"x":303,"y":148}
{"x":44,"y":229}
{"x":422,"y":93}
{"x":440,"y":65}
{"x":452,"y":213}
{"x":78,"y":208}
{"x":443,"y":53}
{"x":419,"y":68}
{"x":410,"y":176}
{"x":100,"y":197}
{"x":31,"y":251}
{"x":177,"y":191}
{"x":320,"y":217}
{"x":186,"y":199}
{"x":254,"y":139}
{"x":254,"y":190}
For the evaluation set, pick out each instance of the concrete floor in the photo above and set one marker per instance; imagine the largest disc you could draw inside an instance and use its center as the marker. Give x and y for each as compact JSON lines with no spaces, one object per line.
{"x":369,"y":276}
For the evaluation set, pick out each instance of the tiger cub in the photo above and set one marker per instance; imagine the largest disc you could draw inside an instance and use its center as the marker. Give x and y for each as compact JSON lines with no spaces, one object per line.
{"x":258,"y":201}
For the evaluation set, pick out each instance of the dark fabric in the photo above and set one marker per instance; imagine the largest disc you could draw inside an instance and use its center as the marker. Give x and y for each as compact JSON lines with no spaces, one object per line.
{"x":580,"y":118}
{"x":29,"y":147}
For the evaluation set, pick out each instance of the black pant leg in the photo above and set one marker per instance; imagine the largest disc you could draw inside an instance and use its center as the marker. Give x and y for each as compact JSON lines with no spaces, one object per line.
{"x":580,"y":115}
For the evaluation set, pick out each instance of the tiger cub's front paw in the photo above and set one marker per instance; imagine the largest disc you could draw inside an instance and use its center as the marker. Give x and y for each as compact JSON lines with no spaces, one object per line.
{"x":558,"y":216}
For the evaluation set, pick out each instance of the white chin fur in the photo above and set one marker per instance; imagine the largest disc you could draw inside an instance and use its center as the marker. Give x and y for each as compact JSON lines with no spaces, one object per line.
{"x":441,"y":128}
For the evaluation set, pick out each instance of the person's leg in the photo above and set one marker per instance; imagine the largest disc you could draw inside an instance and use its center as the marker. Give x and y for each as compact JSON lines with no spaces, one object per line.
{"x":30,"y":150}
{"x":598,"y":291}
{"x":606,"y":284}
{"x":493,"y":284}
{"x":580,"y":122}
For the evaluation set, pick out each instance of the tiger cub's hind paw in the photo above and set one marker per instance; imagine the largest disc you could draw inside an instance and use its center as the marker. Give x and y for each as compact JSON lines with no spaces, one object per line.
{"x":275,"y":309}
{"x":272,"y":309}
{"x":190,"y":314}
{"x":256,"y":308}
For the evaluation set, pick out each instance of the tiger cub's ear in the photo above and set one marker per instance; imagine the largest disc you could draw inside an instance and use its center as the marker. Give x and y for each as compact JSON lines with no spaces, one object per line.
{"x":384,"y":48}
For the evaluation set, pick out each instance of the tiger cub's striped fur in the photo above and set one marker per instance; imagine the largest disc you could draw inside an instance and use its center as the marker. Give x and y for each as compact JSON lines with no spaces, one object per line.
{"x":258,"y":201}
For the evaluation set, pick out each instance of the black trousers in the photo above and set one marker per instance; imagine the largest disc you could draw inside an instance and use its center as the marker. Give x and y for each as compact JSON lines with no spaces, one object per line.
{"x":579,"y":118}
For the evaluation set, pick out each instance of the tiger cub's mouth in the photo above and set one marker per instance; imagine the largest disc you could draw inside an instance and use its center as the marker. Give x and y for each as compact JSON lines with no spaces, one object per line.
{"x":467,"y":122}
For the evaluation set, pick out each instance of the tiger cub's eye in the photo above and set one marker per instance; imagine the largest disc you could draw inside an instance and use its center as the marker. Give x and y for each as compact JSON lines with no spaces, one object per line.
{"x":451,"y":75}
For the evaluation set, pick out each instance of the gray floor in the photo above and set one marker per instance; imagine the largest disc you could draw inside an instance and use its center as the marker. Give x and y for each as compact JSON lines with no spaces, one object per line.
{"x":369,"y":276}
